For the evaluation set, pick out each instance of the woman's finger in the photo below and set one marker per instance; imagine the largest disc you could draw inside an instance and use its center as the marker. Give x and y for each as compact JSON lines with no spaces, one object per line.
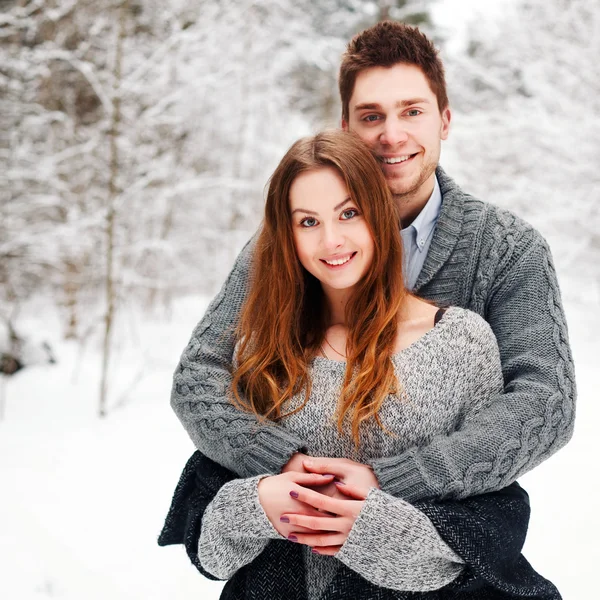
{"x":352,"y":491}
{"x":318,"y":540}
{"x":310,"y":478}
{"x":315,"y":523}
{"x":334,"y":466}
{"x":346,"y":508}
{"x":286,"y":530}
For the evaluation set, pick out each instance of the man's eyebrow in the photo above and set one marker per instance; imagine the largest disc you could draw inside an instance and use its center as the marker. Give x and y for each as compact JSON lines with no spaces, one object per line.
{"x":367,"y":106}
{"x":310,"y":212}
{"x":399,"y":104}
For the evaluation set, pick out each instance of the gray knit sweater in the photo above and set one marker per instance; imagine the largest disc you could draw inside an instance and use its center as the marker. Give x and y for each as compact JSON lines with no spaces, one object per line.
{"x":446,"y":377}
{"x":482,"y":258}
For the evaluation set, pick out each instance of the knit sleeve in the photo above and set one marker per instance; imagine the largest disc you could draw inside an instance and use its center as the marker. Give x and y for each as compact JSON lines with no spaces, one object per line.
{"x":530,"y":419}
{"x":200,"y":394}
{"x":394,"y":545}
{"x":235,"y":528}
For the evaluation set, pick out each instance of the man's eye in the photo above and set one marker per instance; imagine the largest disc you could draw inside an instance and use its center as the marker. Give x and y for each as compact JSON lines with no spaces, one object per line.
{"x":308,"y":222}
{"x":348,"y":214}
{"x":414,"y":112}
{"x":371,"y":118}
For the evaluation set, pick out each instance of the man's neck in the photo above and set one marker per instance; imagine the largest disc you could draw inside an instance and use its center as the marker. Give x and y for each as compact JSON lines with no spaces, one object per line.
{"x":412,"y":203}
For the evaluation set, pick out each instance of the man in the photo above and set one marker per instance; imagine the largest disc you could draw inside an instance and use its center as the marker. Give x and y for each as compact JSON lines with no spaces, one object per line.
{"x":460,"y":251}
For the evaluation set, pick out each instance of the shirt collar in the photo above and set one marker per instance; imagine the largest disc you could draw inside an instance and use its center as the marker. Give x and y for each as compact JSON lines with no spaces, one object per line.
{"x":425,"y":221}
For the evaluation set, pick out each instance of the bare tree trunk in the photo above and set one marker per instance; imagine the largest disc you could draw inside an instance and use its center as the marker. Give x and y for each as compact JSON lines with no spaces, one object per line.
{"x":110,"y":214}
{"x":70,"y":288}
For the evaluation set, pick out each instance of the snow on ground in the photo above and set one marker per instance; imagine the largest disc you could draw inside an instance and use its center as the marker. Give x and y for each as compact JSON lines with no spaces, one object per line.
{"x":82,"y":500}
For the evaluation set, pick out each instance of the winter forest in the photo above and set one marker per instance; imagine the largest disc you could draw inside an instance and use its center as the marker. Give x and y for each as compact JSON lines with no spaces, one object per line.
{"x":136,"y":139}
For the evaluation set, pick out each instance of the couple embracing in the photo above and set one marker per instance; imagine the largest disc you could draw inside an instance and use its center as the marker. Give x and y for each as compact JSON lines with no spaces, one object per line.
{"x":386,"y":358}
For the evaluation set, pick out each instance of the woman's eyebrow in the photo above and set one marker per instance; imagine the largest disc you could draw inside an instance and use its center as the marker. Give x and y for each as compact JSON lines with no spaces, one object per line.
{"x":312,"y":212}
{"x":305,"y":210}
{"x":338,"y":206}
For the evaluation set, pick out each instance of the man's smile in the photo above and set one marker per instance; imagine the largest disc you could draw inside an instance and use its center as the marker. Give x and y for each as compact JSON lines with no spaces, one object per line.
{"x":393,"y":160}
{"x":397,"y":161}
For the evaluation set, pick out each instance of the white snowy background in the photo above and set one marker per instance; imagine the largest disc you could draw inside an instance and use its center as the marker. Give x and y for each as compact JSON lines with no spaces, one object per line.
{"x":200,"y":102}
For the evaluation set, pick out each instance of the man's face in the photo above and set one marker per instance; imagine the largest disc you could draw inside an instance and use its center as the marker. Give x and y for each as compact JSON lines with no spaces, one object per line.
{"x":395,"y":112}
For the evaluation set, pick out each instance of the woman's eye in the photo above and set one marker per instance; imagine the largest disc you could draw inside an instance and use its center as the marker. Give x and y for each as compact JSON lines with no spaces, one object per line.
{"x":414,"y":112}
{"x":349,"y":213}
{"x":308,"y":222}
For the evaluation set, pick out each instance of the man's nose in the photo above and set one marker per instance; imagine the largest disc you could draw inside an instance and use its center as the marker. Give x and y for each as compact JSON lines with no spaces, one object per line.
{"x":394,"y":132}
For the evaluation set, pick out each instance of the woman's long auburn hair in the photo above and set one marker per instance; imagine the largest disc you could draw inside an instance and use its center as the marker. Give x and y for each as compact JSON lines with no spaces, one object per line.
{"x":284,"y":319}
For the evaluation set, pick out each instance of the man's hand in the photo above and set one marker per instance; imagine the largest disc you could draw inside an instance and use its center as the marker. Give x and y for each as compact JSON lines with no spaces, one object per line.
{"x":350,"y":472}
{"x":295,"y":463}
{"x":274,"y":496}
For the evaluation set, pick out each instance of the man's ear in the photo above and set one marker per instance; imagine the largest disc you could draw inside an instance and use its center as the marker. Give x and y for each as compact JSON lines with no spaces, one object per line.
{"x":446,"y":118}
{"x":344,"y":124}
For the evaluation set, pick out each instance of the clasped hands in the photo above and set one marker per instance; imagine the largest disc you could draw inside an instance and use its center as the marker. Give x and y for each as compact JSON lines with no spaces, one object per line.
{"x":315,"y":501}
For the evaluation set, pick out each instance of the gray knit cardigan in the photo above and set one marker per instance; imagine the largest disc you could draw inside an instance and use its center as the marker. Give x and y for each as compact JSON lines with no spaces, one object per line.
{"x":482,"y":258}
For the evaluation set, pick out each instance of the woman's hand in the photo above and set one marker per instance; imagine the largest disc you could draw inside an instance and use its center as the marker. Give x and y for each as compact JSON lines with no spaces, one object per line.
{"x":350,"y":472}
{"x":274,"y":496}
{"x":325,"y":534}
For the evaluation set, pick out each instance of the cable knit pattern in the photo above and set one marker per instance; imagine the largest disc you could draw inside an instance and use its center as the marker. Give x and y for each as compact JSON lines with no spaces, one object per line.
{"x":482,"y":258}
{"x":446,"y":377}
{"x":201,"y":384}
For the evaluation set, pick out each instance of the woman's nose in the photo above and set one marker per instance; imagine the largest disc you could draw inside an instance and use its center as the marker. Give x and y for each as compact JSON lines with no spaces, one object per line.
{"x":332,"y":237}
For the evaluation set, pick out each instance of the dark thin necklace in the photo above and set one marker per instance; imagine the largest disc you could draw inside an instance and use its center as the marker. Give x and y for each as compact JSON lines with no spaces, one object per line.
{"x":339,"y":353}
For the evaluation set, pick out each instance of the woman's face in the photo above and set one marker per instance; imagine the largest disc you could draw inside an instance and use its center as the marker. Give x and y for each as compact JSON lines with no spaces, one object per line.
{"x":331,"y":236}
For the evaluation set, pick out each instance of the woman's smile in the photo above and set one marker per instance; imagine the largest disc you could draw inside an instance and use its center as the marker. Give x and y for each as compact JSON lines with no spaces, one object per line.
{"x":339,"y":261}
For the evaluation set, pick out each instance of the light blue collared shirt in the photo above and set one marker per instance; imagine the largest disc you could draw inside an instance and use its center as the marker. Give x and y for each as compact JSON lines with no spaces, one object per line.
{"x":416,"y":238}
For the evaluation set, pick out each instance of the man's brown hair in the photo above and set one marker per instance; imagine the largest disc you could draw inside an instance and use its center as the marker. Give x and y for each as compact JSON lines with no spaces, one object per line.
{"x":384,"y":45}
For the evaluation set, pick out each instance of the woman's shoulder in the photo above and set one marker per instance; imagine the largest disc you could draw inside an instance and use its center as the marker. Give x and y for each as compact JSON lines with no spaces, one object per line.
{"x":451,"y":332}
{"x":467,"y":326}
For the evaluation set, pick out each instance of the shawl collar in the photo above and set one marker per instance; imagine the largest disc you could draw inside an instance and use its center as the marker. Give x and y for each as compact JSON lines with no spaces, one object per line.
{"x":447,"y":230}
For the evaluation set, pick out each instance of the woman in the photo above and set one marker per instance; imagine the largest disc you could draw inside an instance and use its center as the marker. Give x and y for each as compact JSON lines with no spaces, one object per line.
{"x":332,"y":346}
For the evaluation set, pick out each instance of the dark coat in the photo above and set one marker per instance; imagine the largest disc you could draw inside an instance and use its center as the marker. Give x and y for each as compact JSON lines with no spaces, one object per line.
{"x":486,"y":531}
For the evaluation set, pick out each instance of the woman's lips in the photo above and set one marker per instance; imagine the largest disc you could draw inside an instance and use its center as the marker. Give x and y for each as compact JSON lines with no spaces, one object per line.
{"x":338,"y":262}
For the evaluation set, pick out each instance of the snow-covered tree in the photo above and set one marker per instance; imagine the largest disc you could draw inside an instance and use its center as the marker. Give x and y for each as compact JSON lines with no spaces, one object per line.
{"x":527,"y":123}
{"x":138,"y":137}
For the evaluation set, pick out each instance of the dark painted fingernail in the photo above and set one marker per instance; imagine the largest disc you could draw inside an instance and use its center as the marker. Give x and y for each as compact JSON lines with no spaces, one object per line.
{"x":292,"y":538}
{"x":284,"y":519}
{"x":293,"y":494}
{"x":315,"y":551}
